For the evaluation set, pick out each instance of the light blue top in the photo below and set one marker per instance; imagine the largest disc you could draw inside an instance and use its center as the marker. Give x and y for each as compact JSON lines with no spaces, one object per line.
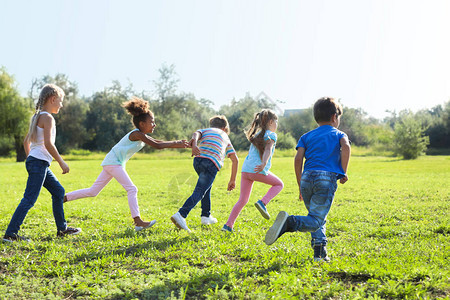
{"x":123,"y":151}
{"x":253,"y":158}
{"x":323,"y":149}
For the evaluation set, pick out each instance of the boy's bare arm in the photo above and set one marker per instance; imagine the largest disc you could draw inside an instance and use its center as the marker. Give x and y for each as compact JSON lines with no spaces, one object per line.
{"x":298,"y":167}
{"x":193,"y":143}
{"x":345,"y":157}
{"x":234,"y":169}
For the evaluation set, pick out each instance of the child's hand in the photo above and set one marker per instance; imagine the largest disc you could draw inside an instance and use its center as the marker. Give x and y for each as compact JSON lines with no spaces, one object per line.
{"x":64,"y":167}
{"x":195,"y":150}
{"x":259,"y":168}
{"x":343,"y":179}
{"x":185,"y":143}
{"x":231,"y":185}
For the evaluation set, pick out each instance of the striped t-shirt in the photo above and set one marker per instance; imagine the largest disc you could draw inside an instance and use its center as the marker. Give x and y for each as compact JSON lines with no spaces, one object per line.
{"x":214,"y":145}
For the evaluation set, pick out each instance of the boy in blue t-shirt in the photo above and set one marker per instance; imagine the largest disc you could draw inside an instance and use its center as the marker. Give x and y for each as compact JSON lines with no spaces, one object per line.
{"x":327,"y":153}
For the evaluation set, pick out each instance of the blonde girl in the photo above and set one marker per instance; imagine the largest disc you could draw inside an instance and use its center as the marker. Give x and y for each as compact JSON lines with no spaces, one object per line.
{"x":256,"y":166}
{"x":40,"y":148}
{"x":115,"y":161}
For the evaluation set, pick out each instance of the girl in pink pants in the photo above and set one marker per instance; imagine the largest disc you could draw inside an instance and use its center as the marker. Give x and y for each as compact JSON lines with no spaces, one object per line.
{"x":114,"y":162}
{"x":256,"y":166}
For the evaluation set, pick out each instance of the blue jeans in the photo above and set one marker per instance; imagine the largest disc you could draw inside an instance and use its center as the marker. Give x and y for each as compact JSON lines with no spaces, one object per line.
{"x":318,"y":188}
{"x":207,"y":172}
{"x":39,"y":175}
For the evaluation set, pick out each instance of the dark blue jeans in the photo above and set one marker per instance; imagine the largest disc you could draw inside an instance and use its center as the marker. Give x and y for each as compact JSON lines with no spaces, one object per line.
{"x":318,"y":188}
{"x":207,"y":172}
{"x":39,"y":175}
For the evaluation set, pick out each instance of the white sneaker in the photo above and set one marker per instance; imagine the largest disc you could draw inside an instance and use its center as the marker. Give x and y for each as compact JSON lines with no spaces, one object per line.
{"x":180,"y":222}
{"x":209,"y":220}
{"x":140,"y":228}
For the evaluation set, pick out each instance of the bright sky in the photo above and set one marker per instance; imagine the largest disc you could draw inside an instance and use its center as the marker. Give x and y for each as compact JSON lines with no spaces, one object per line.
{"x":377,"y":55}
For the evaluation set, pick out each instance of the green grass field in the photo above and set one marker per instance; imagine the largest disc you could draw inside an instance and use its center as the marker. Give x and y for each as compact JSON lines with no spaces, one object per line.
{"x":388,"y":237}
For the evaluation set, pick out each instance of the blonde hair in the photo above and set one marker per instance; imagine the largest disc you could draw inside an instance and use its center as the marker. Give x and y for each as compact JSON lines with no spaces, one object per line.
{"x":48,"y":91}
{"x":258,"y":129}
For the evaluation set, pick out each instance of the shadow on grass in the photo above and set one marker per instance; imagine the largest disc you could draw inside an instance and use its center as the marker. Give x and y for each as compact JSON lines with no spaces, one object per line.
{"x":134,"y":250}
{"x":201,"y":286}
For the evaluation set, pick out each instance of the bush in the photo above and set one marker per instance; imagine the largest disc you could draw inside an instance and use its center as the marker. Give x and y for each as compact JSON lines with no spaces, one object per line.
{"x":285,"y":141}
{"x":409,"y":139}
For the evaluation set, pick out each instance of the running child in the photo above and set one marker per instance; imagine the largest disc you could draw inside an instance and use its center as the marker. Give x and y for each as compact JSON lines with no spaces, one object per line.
{"x":40,"y":148}
{"x":257,"y":164}
{"x":327,"y":153}
{"x":210,"y":146}
{"x":115,"y":161}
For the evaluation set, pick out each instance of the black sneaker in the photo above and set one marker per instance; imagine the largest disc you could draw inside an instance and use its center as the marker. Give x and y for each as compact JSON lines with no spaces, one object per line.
{"x":15,"y":238}
{"x":69,"y":231}
{"x":320,"y":253}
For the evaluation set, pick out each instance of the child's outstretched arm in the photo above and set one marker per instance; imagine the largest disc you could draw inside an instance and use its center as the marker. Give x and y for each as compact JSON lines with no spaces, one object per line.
{"x":234,"y":169}
{"x":49,"y":123}
{"x":265,"y":156}
{"x":345,"y":157}
{"x":298,"y":167}
{"x":137,"y":135}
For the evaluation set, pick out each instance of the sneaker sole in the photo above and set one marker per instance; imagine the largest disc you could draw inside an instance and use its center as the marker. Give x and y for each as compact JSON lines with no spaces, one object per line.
{"x":8,"y":241}
{"x":140,"y":228}
{"x":274,"y":231}
{"x":264,"y":213}
{"x":178,"y":225}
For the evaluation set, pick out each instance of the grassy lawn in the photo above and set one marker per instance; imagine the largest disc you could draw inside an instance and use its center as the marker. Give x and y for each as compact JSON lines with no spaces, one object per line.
{"x":388,"y":237}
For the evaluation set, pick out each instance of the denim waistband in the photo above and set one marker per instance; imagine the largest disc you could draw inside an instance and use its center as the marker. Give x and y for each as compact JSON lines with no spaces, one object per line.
{"x":320,"y":172}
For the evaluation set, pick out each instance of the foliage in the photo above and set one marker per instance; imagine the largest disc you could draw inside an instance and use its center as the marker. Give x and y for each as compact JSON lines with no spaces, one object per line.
{"x":409,"y":138}
{"x":15,"y":113}
{"x":298,"y":123}
{"x":285,"y":141}
{"x":240,"y":114}
{"x":388,"y":238}
{"x":107,"y":121}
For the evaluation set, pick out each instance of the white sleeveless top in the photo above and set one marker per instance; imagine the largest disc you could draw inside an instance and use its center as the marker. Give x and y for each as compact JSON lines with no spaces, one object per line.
{"x":37,"y":148}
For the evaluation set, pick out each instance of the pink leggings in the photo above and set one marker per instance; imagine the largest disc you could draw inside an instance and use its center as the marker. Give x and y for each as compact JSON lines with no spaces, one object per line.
{"x":247,"y":180}
{"x":109,"y":172}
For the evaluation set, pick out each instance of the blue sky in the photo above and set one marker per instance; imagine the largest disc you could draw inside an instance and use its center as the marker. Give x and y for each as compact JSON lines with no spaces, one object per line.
{"x":377,"y":55}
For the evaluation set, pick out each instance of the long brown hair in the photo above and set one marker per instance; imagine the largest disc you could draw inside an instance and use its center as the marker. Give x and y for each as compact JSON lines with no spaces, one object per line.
{"x":48,"y":91}
{"x":139,"y":109}
{"x":258,"y":129}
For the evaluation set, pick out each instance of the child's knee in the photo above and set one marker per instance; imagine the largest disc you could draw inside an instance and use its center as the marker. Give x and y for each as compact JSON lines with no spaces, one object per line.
{"x":132,"y":190}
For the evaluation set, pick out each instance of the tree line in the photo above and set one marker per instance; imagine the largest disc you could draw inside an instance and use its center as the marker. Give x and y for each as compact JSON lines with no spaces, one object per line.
{"x":97,"y":122}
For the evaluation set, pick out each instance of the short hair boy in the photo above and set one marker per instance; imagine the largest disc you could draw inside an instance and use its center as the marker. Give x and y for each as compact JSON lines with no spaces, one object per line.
{"x":327,"y":153}
{"x":213,"y":146}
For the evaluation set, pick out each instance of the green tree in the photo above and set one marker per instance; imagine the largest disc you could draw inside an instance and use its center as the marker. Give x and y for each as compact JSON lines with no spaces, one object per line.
{"x":166,"y":84}
{"x":107,"y":121}
{"x":15,"y":113}
{"x":409,"y":139}
{"x":298,"y":123}
{"x":240,"y":114}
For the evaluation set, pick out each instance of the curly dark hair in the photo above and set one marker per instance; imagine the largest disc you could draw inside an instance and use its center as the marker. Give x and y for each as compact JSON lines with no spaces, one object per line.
{"x":139,"y":109}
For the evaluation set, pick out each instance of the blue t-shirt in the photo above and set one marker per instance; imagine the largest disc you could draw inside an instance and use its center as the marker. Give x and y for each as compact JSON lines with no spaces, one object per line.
{"x":323,"y":149}
{"x":253,"y":159}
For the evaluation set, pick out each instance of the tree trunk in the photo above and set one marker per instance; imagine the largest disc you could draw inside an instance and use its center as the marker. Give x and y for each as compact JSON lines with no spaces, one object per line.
{"x":20,"y":151}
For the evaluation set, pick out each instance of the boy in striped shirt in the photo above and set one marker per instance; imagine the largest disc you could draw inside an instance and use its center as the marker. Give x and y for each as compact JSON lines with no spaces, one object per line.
{"x":210,"y":146}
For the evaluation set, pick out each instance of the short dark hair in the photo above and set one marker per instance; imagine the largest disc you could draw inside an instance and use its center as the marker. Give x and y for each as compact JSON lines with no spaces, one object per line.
{"x":220,"y":122}
{"x":325,"y":108}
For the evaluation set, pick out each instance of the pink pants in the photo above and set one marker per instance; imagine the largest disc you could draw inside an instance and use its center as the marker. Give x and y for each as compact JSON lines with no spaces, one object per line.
{"x":109,"y":172}
{"x":247,"y":180}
